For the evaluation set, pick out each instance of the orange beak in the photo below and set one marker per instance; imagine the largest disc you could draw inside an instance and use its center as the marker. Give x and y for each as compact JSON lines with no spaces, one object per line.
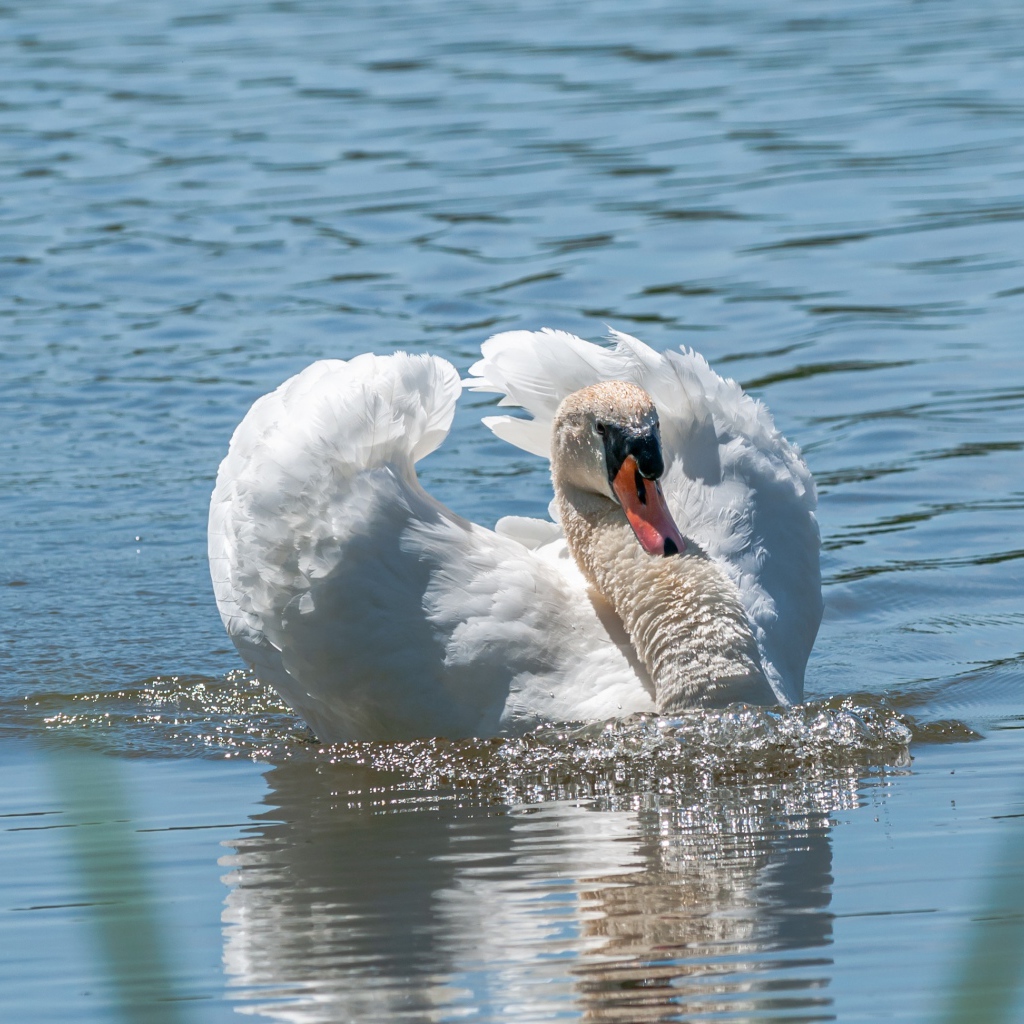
{"x":645,"y":508}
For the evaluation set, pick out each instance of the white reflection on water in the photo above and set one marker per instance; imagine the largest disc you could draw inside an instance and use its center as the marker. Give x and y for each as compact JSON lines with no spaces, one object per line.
{"x":355,"y":901}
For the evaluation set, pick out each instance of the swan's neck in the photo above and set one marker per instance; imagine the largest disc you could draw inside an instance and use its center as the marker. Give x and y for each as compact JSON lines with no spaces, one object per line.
{"x":682,"y":613}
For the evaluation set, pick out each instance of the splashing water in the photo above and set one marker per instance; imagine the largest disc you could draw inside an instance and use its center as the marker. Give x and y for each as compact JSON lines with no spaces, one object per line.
{"x":237,"y":716}
{"x":644,"y":752}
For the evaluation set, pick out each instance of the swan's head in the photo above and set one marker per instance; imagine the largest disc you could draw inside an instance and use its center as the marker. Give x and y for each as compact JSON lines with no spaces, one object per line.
{"x":606,"y":444}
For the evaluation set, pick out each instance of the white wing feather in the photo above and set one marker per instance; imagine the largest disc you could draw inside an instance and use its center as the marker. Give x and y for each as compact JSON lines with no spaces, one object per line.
{"x":373,"y":609}
{"x":736,"y":486}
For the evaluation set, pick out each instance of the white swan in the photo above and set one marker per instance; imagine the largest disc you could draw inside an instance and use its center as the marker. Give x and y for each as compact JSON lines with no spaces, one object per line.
{"x":682,"y":569}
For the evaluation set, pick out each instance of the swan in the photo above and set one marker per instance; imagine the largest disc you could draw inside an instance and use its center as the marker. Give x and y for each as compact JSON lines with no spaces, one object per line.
{"x":680,"y":566}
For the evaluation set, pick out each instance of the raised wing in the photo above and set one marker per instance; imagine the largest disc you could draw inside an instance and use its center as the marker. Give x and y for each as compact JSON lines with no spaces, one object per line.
{"x":374,"y":610}
{"x":736,"y":486}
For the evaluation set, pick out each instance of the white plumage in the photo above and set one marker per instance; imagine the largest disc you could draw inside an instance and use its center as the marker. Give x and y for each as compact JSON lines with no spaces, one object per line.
{"x":380,"y":614}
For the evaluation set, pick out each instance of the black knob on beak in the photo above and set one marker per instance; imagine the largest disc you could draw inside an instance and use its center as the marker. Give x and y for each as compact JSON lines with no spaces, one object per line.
{"x":643,"y":444}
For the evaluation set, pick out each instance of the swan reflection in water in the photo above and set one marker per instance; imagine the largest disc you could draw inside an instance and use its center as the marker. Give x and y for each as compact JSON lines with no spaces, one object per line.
{"x":354,"y":898}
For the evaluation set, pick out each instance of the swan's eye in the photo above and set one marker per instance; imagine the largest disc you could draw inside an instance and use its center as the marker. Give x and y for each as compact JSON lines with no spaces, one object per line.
{"x":600,"y":428}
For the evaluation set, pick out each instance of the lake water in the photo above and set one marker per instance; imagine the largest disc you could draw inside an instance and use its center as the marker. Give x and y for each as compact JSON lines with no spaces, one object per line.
{"x":199,"y":199}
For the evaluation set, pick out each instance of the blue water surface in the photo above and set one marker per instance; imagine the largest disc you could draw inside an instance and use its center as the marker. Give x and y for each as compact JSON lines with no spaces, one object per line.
{"x":198,"y":200}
